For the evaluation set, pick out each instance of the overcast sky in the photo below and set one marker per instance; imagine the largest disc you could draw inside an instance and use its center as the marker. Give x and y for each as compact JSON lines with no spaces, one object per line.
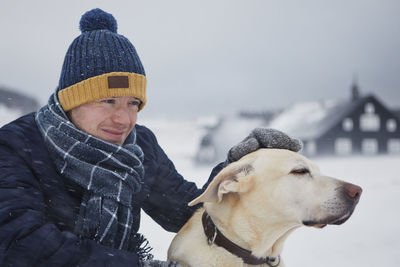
{"x":218,"y":56}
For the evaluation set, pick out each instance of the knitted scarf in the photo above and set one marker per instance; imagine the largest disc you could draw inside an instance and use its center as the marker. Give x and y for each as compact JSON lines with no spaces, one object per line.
{"x":109,"y":173}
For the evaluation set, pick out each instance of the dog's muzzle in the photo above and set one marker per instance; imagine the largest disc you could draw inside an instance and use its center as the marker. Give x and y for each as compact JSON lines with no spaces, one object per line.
{"x":339,"y":211}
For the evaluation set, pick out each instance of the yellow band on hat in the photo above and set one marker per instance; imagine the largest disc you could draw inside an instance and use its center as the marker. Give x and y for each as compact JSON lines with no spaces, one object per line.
{"x":111,"y":84}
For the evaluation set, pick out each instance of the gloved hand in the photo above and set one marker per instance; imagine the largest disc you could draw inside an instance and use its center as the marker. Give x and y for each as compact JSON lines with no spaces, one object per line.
{"x":156,"y":263}
{"x":263,"y":138}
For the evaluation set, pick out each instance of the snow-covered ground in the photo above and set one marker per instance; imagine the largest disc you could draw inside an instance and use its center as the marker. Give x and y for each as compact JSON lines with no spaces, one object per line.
{"x":371,"y":237}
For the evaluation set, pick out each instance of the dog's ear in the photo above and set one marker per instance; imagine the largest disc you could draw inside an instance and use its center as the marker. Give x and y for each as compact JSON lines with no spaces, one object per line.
{"x":227,"y":181}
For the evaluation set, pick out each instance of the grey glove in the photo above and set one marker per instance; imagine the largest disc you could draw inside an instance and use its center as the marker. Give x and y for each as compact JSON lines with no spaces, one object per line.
{"x":263,"y":138}
{"x":156,"y":263}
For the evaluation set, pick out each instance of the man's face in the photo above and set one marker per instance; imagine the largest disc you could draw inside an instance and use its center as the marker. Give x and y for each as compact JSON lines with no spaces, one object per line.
{"x":110,"y":119}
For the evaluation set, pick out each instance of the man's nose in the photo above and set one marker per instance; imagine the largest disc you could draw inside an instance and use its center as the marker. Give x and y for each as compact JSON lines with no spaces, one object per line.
{"x":121,"y":116}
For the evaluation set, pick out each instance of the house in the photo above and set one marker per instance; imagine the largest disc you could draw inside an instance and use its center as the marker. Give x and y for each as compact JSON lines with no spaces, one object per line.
{"x":360,"y":125}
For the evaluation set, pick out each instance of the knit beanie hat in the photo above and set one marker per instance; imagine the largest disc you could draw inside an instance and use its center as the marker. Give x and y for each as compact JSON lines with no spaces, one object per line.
{"x":100,"y":63}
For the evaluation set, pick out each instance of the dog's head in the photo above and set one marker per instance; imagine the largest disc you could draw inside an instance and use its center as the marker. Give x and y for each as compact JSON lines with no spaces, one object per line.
{"x":281,"y":187}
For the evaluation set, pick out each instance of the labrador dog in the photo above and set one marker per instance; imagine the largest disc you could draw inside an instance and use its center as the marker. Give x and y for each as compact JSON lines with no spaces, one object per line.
{"x":254,"y":204}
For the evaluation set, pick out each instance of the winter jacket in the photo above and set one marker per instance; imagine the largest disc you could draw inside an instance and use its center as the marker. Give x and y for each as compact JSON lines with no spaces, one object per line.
{"x":38,"y":208}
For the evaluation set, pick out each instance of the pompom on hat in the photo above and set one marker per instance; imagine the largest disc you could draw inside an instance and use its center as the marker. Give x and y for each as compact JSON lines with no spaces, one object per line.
{"x":100,"y":63}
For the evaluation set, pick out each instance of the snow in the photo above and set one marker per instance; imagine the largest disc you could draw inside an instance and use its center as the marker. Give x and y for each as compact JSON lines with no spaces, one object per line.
{"x":301,"y":119}
{"x":371,"y":237}
{"x":296,"y":114}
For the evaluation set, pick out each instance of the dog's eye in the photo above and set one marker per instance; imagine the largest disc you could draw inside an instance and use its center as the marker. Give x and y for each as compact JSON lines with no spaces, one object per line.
{"x":300,"y":171}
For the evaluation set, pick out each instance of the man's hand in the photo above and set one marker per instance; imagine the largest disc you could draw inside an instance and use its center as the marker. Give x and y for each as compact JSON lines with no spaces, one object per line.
{"x":263,"y":138}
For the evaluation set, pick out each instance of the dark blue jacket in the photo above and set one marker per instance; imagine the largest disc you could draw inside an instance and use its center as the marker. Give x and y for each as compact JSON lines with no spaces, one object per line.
{"x":38,"y":208}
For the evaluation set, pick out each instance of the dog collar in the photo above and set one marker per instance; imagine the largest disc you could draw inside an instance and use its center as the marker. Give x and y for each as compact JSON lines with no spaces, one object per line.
{"x":214,"y":236}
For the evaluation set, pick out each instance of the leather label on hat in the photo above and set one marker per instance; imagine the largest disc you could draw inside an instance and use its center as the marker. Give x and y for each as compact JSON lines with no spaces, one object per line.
{"x":118,"y":82}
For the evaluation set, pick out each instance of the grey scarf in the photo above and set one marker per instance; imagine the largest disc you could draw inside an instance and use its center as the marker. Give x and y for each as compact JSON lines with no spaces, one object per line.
{"x":110,"y":175}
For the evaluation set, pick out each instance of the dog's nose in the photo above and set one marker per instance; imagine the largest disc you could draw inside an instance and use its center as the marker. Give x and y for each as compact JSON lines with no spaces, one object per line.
{"x":353,"y":191}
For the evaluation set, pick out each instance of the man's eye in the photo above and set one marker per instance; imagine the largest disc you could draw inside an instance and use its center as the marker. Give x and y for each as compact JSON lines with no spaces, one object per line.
{"x":135,"y":103}
{"x":108,"y":101}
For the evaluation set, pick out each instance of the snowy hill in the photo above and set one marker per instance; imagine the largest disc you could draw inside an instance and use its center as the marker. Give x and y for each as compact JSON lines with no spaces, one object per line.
{"x":14,"y":105}
{"x":13,"y":99}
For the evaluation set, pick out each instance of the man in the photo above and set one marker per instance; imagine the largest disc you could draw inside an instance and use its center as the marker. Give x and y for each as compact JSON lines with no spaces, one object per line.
{"x":75,"y":174}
